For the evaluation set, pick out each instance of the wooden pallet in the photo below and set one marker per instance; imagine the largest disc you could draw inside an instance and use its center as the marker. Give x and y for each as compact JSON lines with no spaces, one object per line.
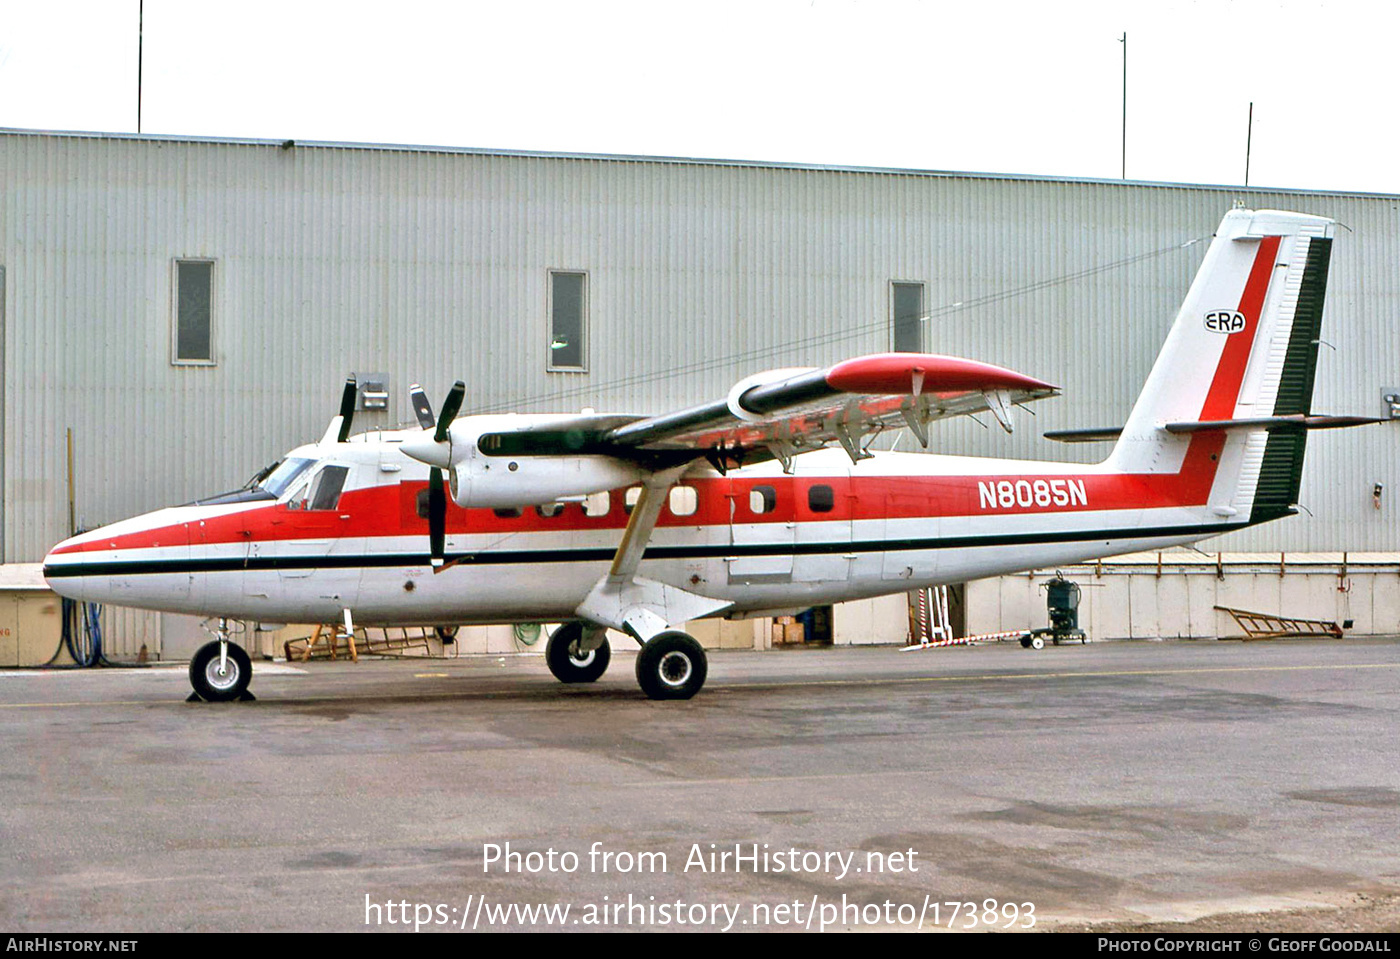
{"x":1268,"y":626}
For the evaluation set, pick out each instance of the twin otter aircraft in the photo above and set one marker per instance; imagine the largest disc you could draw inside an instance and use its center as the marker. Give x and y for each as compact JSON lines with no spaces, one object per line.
{"x":761,"y":502}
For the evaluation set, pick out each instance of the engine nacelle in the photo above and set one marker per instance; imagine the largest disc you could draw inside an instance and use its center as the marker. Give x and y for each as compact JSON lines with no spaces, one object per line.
{"x":496,"y":482}
{"x":502,"y":461}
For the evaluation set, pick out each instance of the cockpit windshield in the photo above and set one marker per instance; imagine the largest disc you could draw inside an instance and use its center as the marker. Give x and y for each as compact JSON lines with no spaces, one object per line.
{"x":267,"y":483}
{"x":279,"y":476}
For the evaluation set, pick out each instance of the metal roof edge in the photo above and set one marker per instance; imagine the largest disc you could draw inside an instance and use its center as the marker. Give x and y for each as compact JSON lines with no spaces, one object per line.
{"x":685,"y":161}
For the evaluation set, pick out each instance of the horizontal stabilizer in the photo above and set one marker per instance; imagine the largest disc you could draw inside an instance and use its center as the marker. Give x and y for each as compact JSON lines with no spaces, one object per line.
{"x":1296,"y":421}
{"x":1105,"y":435}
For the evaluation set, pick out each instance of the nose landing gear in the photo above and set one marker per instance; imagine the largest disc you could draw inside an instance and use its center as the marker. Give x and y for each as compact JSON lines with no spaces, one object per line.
{"x":220,"y":670}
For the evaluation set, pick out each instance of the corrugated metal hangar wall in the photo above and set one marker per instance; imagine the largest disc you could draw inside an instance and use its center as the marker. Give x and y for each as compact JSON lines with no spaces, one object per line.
{"x":433,"y":264}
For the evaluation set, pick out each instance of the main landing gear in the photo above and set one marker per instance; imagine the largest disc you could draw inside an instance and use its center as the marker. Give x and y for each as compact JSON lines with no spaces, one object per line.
{"x":574,"y":656}
{"x":220,"y":670}
{"x":670,"y":665}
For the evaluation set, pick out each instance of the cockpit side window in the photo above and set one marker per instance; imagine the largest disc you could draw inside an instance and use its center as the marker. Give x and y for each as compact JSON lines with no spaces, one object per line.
{"x":326,"y":487}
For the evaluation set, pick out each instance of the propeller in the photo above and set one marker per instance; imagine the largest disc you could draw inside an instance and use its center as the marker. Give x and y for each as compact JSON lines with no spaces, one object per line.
{"x":422,"y":409}
{"x":436,"y":451}
{"x":347,"y":408}
{"x":437,"y":518}
{"x":339,"y":429}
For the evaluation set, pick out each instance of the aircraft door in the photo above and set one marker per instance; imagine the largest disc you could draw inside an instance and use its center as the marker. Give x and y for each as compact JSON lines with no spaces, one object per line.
{"x":312,"y":542}
{"x":823,"y":513}
{"x":762,"y":531}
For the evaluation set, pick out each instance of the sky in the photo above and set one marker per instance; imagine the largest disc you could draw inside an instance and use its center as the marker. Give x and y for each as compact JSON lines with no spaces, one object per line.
{"x":1007,"y":87}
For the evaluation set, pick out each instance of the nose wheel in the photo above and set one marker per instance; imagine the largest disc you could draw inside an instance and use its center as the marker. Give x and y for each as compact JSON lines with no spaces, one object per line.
{"x":221,"y":676}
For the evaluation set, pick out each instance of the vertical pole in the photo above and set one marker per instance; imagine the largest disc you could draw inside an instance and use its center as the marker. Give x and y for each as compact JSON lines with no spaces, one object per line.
{"x":72,"y":522}
{"x":140,"y":52}
{"x":4,"y":497}
{"x":1124,"y":41}
{"x":1248,"y":142}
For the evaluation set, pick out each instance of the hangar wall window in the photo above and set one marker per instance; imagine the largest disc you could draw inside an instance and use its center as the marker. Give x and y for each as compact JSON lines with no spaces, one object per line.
{"x":568,"y":321}
{"x":906,"y":317}
{"x":194,"y":312}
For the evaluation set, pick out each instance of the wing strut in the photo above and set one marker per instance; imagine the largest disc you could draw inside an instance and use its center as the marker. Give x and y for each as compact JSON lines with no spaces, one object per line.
{"x":637,"y":606}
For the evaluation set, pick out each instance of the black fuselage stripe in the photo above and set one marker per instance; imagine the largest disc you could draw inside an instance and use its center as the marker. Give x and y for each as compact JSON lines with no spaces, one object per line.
{"x":492,"y":557}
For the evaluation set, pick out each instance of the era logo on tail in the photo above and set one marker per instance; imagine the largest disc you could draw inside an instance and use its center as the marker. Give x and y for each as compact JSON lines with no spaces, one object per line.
{"x":1225,"y":321}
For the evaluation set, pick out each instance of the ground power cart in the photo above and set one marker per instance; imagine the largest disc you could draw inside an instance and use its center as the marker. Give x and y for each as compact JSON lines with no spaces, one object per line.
{"x":1062,"y":603}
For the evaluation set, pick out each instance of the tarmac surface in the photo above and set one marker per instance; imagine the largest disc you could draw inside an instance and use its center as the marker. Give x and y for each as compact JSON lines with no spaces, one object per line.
{"x":1131,"y":783}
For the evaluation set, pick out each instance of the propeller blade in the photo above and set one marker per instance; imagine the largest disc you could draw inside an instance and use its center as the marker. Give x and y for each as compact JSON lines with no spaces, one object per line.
{"x":347,"y":408}
{"x":437,"y":517}
{"x":422,"y":409}
{"x":450,"y":406}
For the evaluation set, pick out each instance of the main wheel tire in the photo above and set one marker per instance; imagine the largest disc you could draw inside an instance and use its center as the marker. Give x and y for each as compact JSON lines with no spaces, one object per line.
{"x":568,"y":663}
{"x":671,"y":665}
{"x":1025,"y":642}
{"x":215,"y":686}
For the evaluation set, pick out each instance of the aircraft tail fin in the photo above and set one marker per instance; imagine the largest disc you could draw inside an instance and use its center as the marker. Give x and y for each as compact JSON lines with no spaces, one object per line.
{"x":1243,"y":347}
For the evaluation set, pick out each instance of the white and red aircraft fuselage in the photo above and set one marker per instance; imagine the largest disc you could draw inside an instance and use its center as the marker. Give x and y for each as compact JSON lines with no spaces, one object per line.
{"x":763,"y":502}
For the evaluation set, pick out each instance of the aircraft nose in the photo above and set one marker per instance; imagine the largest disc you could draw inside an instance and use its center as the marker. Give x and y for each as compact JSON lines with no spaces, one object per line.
{"x":72,"y":571}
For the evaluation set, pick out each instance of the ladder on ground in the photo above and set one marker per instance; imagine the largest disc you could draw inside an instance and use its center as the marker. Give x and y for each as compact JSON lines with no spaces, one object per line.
{"x":1268,"y":626}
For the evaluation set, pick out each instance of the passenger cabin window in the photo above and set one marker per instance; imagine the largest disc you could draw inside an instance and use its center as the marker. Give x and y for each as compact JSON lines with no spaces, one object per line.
{"x":630,"y":499}
{"x":821,"y":499}
{"x":326,"y":487}
{"x":763,"y":499}
{"x":509,"y":513}
{"x":549,"y":510}
{"x":597,"y":504}
{"x":684,"y":500}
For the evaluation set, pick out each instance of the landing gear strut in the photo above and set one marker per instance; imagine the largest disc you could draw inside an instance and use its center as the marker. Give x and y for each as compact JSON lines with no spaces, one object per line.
{"x":570,"y":659}
{"x":220,"y":670}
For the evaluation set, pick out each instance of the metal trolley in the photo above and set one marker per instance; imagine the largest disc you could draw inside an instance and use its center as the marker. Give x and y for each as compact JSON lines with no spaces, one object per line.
{"x":1062,"y":603}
